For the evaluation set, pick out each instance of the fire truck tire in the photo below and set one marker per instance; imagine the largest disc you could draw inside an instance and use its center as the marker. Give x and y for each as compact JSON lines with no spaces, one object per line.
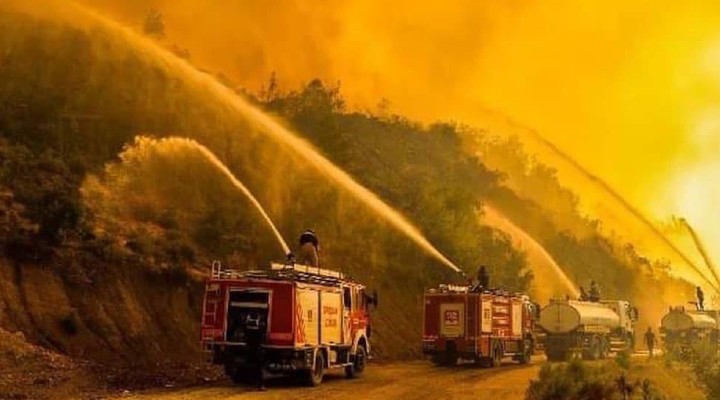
{"x":451,"y":359}
{"x":526,"y":354}
{"x":556,"y":354}
{"x":239,"y":376}
{"x":438,"y":359}
{"x":315,"y":375}
{"x":358,"y":366}
{"x":497,"y":356}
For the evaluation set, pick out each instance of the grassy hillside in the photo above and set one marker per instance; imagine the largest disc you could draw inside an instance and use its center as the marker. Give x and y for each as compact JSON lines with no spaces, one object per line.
{"x":107,"y":251}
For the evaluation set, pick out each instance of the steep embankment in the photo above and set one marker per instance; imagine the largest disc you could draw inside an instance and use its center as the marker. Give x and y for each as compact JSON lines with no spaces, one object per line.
{"x":63,"y":122}
{"x":75,"y":301}
{"x":132,"y":316}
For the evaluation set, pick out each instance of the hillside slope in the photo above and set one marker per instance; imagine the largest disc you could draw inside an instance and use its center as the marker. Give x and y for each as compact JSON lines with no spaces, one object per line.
{"x":121,"y":281}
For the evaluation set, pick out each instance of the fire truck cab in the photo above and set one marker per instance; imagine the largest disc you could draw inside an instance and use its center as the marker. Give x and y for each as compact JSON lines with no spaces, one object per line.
{"x":480,"y":326}
{"x":313,"y":319}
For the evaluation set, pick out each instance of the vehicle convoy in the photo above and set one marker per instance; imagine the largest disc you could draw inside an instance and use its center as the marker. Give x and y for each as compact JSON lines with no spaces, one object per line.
{"x":588,"y":328}
{"x":315,"y":319}
{"x":681,"y":329}
{"x":483,"y":326}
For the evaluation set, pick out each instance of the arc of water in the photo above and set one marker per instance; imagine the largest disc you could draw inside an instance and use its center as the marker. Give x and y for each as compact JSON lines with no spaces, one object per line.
{"x":269,"y":126}
{"x":504,"y":224}
{"x":624,"y":203}
{"x":210,"y":156}
{"x":701,"y":248}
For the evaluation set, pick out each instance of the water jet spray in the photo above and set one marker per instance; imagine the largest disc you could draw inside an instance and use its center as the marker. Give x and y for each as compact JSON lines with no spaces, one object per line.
{"x":701,"y":248}
{"x":624,"y":203}
{"x":176,"y":143}
{"x":204,"y":82}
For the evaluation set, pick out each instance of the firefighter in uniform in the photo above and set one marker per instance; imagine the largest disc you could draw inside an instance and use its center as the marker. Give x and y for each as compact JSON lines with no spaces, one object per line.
{"x":255,"y":332}
{"x":483,"y":277}
{"x":700,"y":299}
{"x":309,"y":248}
{"x":583,"y":294}
{"x":594,"y":292}
{"x":650,"y":341}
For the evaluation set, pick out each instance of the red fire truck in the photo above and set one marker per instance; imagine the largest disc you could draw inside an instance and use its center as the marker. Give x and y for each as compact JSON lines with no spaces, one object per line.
{"x":480,"y":326}
{"x":314,"y":319}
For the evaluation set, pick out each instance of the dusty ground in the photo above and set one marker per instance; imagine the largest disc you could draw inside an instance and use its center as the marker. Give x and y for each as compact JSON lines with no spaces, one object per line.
{"x":406,"y":381}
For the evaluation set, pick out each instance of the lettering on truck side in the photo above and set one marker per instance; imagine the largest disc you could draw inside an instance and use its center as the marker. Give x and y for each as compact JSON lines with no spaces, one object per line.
{"x":331,"y":316}
{"x":452,"y":317}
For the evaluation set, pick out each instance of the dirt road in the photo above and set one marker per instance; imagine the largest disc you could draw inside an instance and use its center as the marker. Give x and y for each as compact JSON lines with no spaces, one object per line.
{"x":408,"y":381}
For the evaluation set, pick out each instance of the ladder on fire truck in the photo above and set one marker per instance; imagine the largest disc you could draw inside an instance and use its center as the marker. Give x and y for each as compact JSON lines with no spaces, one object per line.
{"x":290,"y":271}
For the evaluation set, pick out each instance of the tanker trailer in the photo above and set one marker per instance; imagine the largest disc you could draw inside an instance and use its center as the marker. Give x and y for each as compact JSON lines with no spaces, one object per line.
{"x":592,"y":329}
{"x":682,"y":329}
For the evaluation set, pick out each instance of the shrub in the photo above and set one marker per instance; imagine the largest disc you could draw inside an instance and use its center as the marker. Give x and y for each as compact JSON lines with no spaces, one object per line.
{"x":572,"y":381}
{"x":623,"y":360}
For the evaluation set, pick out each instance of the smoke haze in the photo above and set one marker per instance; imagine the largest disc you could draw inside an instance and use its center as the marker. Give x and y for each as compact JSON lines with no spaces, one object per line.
{"x":628,"y":88}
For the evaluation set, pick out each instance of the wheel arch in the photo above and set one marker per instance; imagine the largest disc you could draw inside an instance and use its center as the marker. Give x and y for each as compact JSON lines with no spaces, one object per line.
{"x":361,"y":337}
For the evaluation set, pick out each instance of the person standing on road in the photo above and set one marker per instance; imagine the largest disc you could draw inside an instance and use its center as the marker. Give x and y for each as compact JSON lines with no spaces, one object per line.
{"x":650,"y":341}
{"x":255,"y":332}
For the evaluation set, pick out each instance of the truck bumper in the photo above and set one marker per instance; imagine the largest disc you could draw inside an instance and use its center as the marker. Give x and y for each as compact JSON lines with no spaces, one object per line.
{"x":277,"y":359}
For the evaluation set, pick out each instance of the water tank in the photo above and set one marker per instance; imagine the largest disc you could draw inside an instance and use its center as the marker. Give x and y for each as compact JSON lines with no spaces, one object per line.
{"x":681,"y":320}
{"x":567,"y":315}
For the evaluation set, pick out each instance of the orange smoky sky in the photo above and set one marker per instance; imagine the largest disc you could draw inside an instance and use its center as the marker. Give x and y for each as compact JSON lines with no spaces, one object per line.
{"x":630,"y":89}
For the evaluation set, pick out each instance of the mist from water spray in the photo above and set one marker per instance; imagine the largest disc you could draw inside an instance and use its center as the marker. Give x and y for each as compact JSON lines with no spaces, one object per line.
{"x":625,"y":204}
{"x":547,"y":271}
{"x":701,"y":248}
{"x":171,"y":63}
{"x":192,"y":145}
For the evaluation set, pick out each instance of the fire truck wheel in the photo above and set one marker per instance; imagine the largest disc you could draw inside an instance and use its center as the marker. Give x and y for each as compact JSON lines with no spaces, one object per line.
{"x":556,"y":354}
{"x":239,"y":376}
{"x":358,"y":366}
{"x":497,"y":356}
{"x":451,"y":359}
{"x":527,"y":350}
{"x":315,"y":375}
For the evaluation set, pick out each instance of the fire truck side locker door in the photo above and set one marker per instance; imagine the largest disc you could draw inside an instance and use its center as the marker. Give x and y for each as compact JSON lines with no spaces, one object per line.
{"x":330,"y":330}
{"x":486,"y":323}
{"x":486,"y":320}
{"x":308,"y":301}
{"x":517,"y":318}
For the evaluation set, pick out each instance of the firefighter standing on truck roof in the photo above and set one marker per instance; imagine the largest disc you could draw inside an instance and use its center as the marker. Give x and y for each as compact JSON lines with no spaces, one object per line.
{"x":483,"y":277}
{"x":700,"y":299}
{"x":254,"y":339}
{"x":309,"y":248}
{"x":594,"y":292}
{"x":583,"y":294}
{"x":481,"y":282}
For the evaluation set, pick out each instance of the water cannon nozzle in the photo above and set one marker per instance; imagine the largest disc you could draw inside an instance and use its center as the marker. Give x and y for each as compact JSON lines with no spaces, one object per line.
{"x":290,"y":258}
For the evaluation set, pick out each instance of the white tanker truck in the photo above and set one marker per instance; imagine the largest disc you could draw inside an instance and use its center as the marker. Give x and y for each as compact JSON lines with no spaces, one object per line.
{"x":592,"y":329}
{"x":681,"y":329}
